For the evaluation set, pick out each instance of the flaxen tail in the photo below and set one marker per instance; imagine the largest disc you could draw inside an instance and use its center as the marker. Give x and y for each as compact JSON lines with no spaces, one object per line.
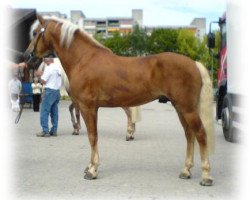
{"x":206,"y":106}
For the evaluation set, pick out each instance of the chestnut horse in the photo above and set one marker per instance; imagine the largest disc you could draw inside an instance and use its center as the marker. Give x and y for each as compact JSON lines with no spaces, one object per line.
{"x":99,"y":78}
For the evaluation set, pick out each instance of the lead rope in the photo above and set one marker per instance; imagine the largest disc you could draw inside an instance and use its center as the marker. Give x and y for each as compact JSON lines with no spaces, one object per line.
{"x":21,"y":103}
{"x":19,"y":114}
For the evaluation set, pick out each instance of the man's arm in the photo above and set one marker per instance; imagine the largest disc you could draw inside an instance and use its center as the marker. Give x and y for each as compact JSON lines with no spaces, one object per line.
{"x":12,"y":65}
{"x":39,"y":73}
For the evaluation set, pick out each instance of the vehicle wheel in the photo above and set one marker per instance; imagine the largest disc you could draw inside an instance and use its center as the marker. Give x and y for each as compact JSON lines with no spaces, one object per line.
{"x":227,"y":119}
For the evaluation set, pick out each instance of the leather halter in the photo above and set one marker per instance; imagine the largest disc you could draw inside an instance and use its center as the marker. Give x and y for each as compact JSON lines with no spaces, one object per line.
{"x":41,"y":35}
{"x":30,"y":55}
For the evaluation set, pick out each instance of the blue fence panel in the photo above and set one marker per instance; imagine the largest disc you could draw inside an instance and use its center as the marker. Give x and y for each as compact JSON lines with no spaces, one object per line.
{"x":26,"y":93}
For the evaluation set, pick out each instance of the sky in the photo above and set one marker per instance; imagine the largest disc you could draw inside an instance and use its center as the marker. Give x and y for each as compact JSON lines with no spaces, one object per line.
{"x":155,"y":12}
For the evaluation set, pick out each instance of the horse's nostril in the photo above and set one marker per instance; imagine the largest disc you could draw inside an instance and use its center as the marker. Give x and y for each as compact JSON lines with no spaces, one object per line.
{"x":27,"y":56}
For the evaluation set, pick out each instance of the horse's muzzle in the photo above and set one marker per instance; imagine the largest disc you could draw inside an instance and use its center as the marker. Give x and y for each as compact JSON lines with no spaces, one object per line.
{"x":28,"y":56}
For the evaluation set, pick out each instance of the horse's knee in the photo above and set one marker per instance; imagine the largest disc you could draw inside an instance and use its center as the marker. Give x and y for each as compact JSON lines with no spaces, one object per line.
{"x":92,"y":139}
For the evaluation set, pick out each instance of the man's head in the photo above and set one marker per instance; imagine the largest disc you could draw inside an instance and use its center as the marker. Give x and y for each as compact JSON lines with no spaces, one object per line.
{"x":16,"y":76}
{"x":48,"y":60}
{"x":36,"y":79}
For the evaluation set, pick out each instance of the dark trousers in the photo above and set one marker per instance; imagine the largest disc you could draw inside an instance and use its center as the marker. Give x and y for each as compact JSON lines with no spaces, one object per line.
{"x":36,"y":102}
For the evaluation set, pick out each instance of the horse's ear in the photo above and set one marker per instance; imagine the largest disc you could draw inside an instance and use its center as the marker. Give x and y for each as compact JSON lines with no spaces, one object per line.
{"x":40,"y":19}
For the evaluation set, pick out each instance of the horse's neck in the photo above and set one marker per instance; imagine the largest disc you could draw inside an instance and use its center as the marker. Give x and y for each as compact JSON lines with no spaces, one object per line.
{"x":78,"y":52}
{"x":65,"y":79}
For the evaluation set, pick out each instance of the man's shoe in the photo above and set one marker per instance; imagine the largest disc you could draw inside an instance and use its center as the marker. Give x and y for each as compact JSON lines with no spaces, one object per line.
{"x":53,"y":133}
{"x":43,"y":134}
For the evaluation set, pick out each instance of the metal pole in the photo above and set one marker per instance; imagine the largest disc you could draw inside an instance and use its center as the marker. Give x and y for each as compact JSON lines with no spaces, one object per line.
{"x":211,"y":53}
{"x":212,"y":70}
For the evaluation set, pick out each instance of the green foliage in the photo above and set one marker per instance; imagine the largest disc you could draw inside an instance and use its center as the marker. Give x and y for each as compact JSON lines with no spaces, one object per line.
{"x":187,"y":44}
{"x":163,"y":40}
{"x":137,"y":42}
{"x":117,"y":43}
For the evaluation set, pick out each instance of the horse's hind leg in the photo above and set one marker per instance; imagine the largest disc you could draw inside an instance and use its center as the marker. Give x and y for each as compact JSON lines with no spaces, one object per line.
{"x":189,"y":162}
{"x":71,"y":110}
{"x":78,"y":122}
{"x":76,"y":125}
{"x":194,"y":122}
{"x":131,"y":125}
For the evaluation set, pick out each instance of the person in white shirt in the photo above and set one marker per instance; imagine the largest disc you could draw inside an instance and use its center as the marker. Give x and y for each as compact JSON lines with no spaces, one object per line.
{"x":15,"y":87}
{"x":36,"y":90}
{"x":52,"y":79}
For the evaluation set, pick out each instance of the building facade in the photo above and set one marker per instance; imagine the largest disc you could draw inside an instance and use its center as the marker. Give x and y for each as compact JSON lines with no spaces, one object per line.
{"x":150,"y":29}
{"x":124,"y":25}
{"x":107,"y":26}
{"x":200,"y":24}
{"x":55,"y":13}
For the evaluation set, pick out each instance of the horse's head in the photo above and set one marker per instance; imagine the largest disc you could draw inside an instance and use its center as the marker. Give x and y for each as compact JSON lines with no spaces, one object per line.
{"x":39,"y":46}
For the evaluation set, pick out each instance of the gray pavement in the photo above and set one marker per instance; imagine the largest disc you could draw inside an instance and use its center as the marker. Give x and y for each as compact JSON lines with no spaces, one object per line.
{"x":146,"y":168}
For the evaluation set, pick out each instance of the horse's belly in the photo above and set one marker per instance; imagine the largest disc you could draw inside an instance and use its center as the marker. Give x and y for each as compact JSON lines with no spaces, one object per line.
{"x":125,"y":100}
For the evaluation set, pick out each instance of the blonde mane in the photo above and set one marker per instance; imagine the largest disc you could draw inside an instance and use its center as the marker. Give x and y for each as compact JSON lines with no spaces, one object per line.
{"x":68,"y":31}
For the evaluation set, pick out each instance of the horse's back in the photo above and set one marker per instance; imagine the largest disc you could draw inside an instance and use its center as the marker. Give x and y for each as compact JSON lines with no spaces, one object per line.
{"x":172,"y":63}
{"x":166,"y":70}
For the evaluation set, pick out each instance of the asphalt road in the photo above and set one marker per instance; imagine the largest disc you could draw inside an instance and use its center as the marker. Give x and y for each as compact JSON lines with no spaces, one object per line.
{"x":145,"y":168}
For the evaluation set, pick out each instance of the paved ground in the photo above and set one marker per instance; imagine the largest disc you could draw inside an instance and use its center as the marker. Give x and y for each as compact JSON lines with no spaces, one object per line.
{"x":146,"y":168}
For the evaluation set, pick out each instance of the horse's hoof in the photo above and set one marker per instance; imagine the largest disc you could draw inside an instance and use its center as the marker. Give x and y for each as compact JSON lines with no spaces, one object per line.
{"x":75,"y":133}
{"x":129,"y":138}
{"x":184,"y":175}
{"x":89,"y":176}
{"x":206,"y":182}
{"x":86,"y":170}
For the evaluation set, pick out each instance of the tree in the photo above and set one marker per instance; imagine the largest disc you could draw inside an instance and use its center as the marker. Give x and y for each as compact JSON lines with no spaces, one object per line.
{"x":132,"y":44}
{"x":117,"y":43}
{"x":187,"y":43}
{"x":163,"y":40}
{"x":137,"y":42}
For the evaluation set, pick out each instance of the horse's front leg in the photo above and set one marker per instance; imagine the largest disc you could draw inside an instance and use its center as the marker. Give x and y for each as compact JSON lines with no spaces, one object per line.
{"x":90,"y":118}
{"x":189,"y":162}
{"x":131,"y":125}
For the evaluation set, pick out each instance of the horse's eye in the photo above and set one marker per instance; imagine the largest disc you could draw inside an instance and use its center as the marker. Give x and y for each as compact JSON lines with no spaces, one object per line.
{"x":34,"y":33}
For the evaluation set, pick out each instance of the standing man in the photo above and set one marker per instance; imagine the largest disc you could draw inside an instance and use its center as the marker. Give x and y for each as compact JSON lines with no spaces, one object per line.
{"x":52,"y":79}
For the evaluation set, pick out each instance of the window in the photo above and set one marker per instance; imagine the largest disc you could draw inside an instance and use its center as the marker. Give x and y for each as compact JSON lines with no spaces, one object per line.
{"x":113,"y":23}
